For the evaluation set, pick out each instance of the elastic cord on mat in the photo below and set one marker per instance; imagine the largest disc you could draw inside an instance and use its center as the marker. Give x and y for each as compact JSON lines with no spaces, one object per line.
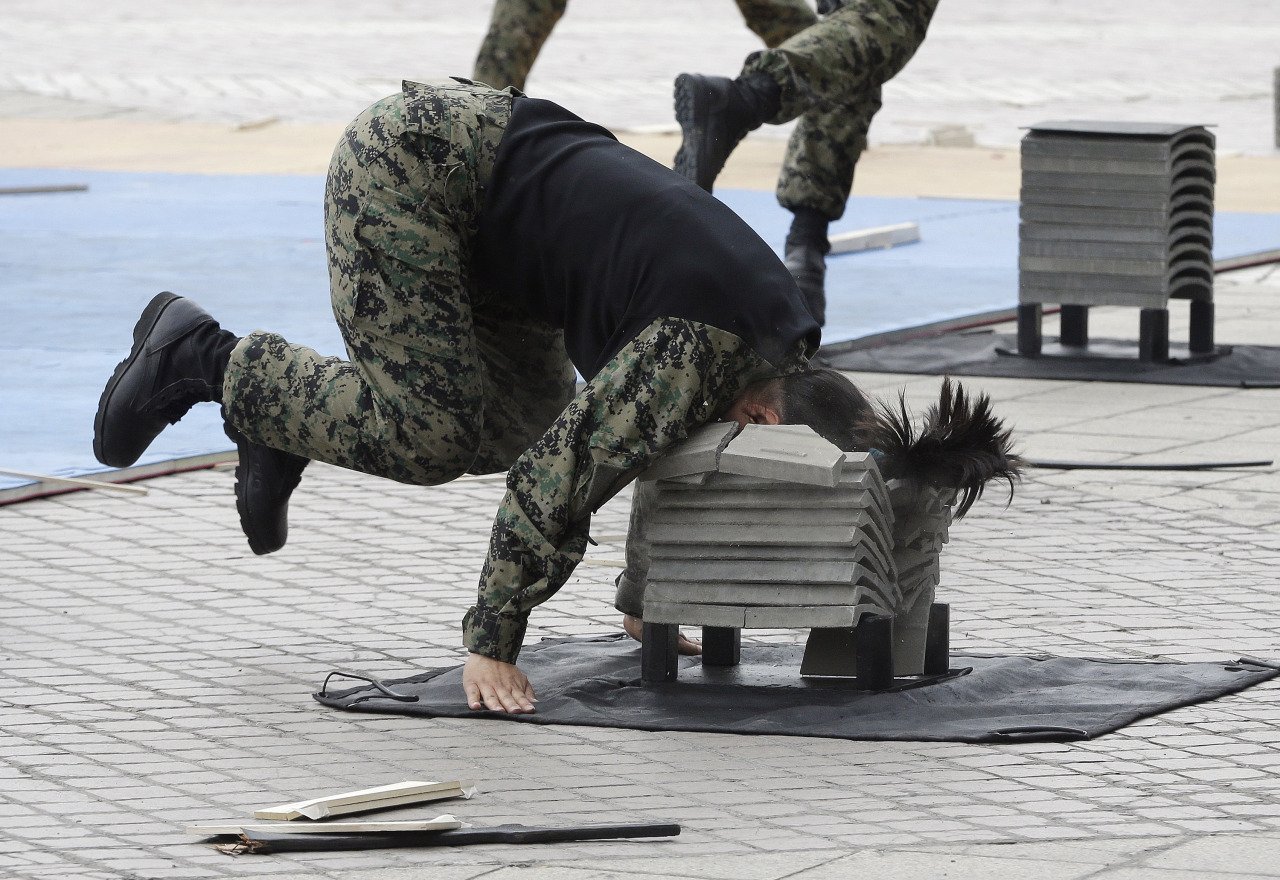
{"x":382,"y":688}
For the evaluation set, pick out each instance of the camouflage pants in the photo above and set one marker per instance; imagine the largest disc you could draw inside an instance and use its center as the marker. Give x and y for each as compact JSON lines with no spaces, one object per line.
{"x":831,"y":75}
{"x":441,"y":381}
{"x":831,"y":72}
{"x":445,"y":379}
{"x":517,"y":30}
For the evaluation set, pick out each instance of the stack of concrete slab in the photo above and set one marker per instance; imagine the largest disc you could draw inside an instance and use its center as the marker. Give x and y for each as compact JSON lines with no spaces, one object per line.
{"x":772,"y":527}
{"x":1116,"y":213}
{"x":922,"y":517}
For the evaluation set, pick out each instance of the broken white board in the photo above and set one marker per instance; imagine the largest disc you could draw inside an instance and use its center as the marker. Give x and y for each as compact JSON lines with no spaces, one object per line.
{"x":439,"y":823}
{"x":368,"y":799}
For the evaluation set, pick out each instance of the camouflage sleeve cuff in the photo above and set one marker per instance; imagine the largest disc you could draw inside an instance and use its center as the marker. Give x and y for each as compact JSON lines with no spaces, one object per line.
{"x":493,"y":634}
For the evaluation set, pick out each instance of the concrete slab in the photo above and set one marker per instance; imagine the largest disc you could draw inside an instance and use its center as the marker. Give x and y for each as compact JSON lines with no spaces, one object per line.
{"x":787,"y":456}
{"x":698,"y":454}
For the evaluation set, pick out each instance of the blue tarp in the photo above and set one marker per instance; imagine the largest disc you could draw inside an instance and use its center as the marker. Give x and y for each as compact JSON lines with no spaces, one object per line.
{"x":77,"y":267}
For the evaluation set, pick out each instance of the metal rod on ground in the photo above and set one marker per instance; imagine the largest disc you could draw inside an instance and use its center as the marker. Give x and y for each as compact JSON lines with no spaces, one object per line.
{"x":77,"y":481}
{"x":1141,"y":466}
{"x":266,"y":843}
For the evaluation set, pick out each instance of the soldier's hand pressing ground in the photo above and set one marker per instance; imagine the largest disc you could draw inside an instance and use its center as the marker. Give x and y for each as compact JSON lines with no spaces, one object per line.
{"x":496,"y":686}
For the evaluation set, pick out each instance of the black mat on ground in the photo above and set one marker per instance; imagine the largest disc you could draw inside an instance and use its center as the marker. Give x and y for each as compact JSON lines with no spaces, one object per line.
{"x":595,"y":682}
{"x":978,"y":354}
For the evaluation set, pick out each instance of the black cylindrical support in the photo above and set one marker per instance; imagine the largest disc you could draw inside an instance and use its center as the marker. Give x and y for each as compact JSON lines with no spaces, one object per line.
{"x":873,"y":647}
{"x":721,"y":646}
{"x":1201,"y":326}
{"x":1074,"y":326}
{"x":1153,"y":335}
{"x":659,"y":652}
{"x":1029,"y":337}
{"x":937,"y":643}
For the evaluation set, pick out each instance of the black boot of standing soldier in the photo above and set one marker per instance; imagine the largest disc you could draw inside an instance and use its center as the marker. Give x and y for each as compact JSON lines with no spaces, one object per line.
{"x":178,"y":359}
{"x":715,"y":113}
{"x":805,"y":256}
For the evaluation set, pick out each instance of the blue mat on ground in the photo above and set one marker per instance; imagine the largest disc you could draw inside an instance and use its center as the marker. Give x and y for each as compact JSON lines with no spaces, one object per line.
{"x":77,"y":268}
{"x":595,"y":682}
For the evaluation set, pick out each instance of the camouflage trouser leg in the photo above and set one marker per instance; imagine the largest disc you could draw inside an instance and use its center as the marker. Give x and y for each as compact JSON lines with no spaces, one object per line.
{"x":517,"y":30}
{"x":822,"y":152}
{"x":629,"y":598}
{"x":830,"y":75}
{"x":415,"y":401}
{"x":775,"y":21}
{"x":675,"y":375}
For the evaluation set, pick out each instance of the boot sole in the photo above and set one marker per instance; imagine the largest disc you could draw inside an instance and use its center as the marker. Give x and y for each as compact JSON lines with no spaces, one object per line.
{"x":256,"y":544}
{"x":141,"y":331}
{"x":687,"y":105}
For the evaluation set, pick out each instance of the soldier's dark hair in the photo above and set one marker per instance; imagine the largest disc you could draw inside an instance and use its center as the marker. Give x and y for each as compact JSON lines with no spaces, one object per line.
{"x":828,"y":402}
{"x":960,"y":444}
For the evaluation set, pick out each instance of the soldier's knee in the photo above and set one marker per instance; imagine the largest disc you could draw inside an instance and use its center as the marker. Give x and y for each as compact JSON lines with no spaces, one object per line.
{"x":436,"y":449}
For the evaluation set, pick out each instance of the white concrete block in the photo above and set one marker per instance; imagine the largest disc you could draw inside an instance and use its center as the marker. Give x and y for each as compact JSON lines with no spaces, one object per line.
{"x":696,"y":615}
{"x":698,"y":453}
{"x":786,"y":456}
{"x":876,"y":237}
{"x":806,"y":617}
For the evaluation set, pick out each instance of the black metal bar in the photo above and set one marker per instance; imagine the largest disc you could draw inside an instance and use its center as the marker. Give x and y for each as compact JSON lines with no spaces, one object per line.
{"x":1153,"y":335}
{"x":263,"y":842}
{"x":1141,"y":465}
{"x":1201,"y":341}
{"x":1073,"y":327}
{"x":937,"y":642}
{"x":659,"y":652}
{"x":873,"y":647}
{"x":721,"y":646}
{"x":1030,"y":339}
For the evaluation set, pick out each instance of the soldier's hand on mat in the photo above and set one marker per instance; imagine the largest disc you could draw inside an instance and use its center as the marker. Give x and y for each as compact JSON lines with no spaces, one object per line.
{"x":497,"y":686}
{"x":634,"y":627}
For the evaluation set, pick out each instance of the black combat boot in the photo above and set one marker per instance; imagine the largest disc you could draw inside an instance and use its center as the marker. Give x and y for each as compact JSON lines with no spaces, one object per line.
{"x":265,"y":478}
{"x":805,"y":257}
{"x":178,"y":359}
{"x":715,"y":113}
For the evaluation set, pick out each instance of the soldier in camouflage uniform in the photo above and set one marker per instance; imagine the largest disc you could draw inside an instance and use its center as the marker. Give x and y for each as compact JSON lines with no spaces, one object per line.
{"x":828,"y":77}
{"x":481,"y":246}
{"x":518,"y":28}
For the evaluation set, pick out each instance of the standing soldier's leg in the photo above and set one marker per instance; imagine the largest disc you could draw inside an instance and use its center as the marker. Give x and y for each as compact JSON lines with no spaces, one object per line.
{"x":775,"y":21}
{"x":839,"y":60}
{"x":814,"y":185}
{"x":833,"y":64}
{"x":517,"y":30}
{"x":834,"y":70}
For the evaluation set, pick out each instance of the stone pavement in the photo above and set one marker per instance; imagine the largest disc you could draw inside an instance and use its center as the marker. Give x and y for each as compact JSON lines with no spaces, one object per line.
{"x":155,"y":673}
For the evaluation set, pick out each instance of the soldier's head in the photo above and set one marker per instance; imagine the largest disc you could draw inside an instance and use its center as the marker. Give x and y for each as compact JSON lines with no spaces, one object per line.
{"x":821,"y":398}
{"x":959,"y":443}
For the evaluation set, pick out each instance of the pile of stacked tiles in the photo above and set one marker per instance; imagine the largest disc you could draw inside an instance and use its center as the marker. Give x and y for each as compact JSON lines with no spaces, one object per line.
{"x":771,"y":528}
{"x":1116,"y":214}
{"x":922,"y":517}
